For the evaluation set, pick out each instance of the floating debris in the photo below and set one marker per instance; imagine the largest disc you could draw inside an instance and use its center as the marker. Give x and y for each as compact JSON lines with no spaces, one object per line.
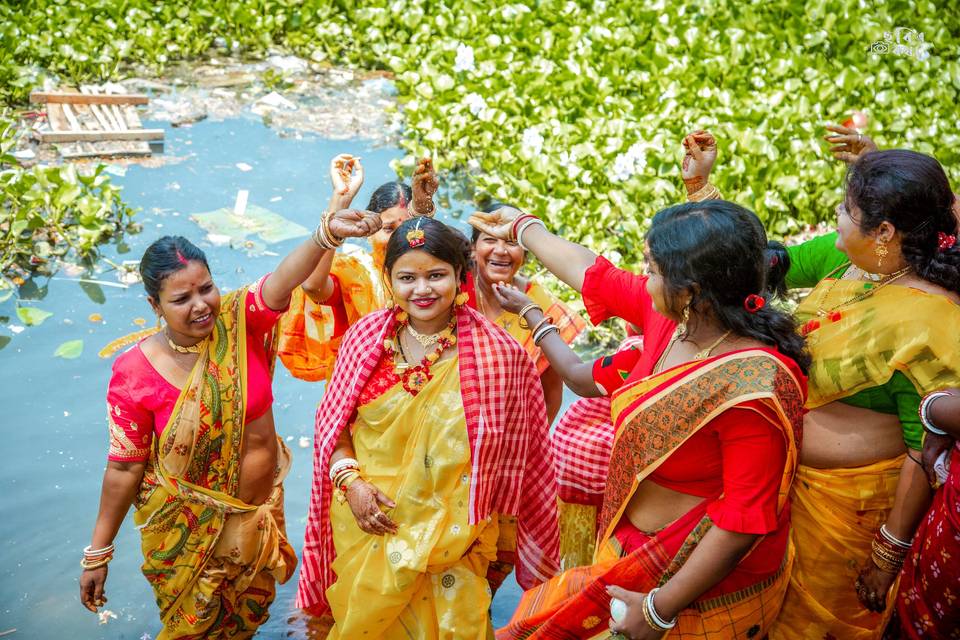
{"x":243,"y":166}
{"x":69,"y":350}
{"x":253,"y":222}
{"x":105,"y":616}
{"x":304,"y":442}
{"x":95,"y":317}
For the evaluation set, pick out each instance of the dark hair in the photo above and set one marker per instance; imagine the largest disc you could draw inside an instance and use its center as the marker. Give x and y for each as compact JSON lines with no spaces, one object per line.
{"x":490,"y":207}
{"x":440,"y":241}
{"x":718,"y":251}
{"x":778,"y":264}
{"x":167,"y":255}
{"x":910,"y":191}
{"x":391,"y":194}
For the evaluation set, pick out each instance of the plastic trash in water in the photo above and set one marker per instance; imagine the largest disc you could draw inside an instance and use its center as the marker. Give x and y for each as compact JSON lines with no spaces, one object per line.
{"x":253,"y":227}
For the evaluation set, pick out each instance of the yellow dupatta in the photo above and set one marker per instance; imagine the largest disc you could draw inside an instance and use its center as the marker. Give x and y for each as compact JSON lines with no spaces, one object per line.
{"x":427,"y":581}
{"x":189,"y":493}
{"x":861,"y":345}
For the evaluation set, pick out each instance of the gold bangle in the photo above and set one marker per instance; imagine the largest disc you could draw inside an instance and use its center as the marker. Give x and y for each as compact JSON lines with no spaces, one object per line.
{"x":334,"y":240}
{"x":95,"y":564}
{"x":706,"y":192}
{"x":523,"y":312}
{"x":543,"y":320}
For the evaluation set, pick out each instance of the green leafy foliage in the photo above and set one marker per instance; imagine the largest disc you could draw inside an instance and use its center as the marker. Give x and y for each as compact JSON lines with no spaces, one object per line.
{"x":574,"y":110}
{"x":49,"y":212}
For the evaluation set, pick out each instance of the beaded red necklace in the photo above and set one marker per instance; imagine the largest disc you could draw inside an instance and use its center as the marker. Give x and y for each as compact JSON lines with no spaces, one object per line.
{"x":415,"y":378}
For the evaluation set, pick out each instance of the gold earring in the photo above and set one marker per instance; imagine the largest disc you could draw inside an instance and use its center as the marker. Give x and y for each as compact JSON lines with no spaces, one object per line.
{"x":881,"y":251}
{"x":684,"y":319}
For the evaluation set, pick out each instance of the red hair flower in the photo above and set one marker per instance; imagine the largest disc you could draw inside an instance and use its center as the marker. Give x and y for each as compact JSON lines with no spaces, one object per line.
{"x":945,"y":241}
{"x":753,"y":303}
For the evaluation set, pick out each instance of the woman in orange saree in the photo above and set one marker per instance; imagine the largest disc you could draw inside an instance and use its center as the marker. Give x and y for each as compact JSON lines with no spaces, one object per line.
{"x":695,"y":514}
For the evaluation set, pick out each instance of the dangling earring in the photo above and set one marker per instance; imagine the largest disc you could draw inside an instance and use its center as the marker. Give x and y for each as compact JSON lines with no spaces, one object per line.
{"x":684,"y":319}
{"x":159,"y":325}
{"x":461,"y":299}
{"x":881,"y":251}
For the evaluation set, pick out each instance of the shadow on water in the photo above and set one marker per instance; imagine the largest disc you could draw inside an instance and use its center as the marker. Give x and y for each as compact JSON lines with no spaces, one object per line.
{"x":54,"y":429}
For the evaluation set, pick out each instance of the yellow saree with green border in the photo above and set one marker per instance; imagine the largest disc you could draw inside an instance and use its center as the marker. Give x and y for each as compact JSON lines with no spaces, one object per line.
{"x":212,"y":559}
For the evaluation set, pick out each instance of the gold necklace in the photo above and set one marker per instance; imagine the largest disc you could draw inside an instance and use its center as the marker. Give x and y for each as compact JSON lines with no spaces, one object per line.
{"x":425,"y":339}
{"x":700,"y":355}
{"x":821,"y":312}
{"x":195,"y":348}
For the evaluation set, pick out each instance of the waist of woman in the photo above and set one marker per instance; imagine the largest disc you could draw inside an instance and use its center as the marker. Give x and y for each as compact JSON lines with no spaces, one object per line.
{"x":839,"y":435}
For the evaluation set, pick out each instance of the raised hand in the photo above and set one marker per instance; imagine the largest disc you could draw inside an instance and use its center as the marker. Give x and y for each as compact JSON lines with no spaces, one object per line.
{"x":848,"y":143}
{"x":365,"y":499}
{"x":346,"y":174}
{"x":425,"y":184}
{"x":700,"y":154}
{"x":498,"y":224}
{"x":353,"y":223}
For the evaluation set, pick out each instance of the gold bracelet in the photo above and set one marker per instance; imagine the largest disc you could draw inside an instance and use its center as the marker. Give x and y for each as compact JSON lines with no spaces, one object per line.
{"x":543,"y":320}
{"x":96,"y":564}
{"x":523,"y":312}
{"x":334,"y":240}
{"x":707,"y":192}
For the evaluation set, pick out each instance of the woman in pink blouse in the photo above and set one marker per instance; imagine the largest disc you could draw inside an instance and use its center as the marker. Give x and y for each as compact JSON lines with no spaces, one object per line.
{"x":193,"y":444}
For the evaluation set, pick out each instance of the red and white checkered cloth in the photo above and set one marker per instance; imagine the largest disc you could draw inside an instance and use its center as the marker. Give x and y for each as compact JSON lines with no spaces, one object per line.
{"x":506,"y":425}
{"x":582,"y":443}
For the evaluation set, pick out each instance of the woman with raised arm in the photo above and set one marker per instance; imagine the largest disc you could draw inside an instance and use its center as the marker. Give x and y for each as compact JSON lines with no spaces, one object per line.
{"x":347,"y":284}
{"x":432,"y":427}
{"x":193,"y":444}
{"x":884,"y":286}
{"x":708,"y":415}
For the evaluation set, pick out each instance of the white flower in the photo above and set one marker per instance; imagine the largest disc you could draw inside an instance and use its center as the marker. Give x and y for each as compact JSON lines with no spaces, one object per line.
{"x":532,"y":141}
{"x":464,"y":61}
{"x":475,"y":103}
{"x":628,"y":164}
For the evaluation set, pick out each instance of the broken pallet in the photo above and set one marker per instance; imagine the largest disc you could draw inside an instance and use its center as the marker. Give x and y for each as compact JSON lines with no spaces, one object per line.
{"x":91,"y":122}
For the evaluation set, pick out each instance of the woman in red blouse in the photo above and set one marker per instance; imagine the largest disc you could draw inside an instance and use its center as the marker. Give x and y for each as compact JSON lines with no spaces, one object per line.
{"x":193,"y":443}
{"x":695,"y":515}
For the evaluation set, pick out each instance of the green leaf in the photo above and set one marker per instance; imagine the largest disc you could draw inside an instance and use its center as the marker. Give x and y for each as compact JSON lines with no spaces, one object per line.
{"x":93,"y":291}
{"x":32,"y":316}
{"x":69,"y":350}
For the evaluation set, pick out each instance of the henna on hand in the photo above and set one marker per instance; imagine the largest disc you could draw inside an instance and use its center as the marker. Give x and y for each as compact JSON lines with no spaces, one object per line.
{"x":425,"y":184}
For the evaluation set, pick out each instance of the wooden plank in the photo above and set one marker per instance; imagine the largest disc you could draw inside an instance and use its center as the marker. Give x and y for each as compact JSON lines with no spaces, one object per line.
{"x":84,"y":98}
{"x":118,"y":117}
{"x":74,"y":150}
{"x":100,"y":113}
{"x":77,"y":135}
{"x":131,"y":116}
{"x":56,"y":117}
{"x":72,"y":119}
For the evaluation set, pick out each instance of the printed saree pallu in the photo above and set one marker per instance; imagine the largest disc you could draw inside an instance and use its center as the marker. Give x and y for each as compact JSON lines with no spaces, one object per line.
{"x":211,"y":559}
{"x":653,"y":417}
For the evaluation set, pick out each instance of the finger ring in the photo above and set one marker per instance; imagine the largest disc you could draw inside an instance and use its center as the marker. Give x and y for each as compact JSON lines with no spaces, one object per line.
{"x":859,"y":137}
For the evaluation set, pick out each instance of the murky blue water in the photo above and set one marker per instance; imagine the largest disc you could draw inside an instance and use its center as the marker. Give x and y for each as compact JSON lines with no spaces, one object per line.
{"x":53,"y":428}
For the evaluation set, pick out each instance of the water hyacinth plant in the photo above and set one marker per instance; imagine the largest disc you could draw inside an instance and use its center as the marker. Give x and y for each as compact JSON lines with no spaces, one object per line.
{"x":574,"y":110}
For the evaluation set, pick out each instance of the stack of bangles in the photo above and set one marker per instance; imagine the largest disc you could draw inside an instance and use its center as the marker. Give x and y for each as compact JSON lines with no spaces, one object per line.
{"x":521,"y":224}
{"x":542,"y":329}
{"x":652,"y":617}
{"x":96,"y":558}
{"x":706,"y":192}
{"x":343,"y":472}
{"x":323,"y":236}
{"x":924,"y":412}
{"x":888,"y":551}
